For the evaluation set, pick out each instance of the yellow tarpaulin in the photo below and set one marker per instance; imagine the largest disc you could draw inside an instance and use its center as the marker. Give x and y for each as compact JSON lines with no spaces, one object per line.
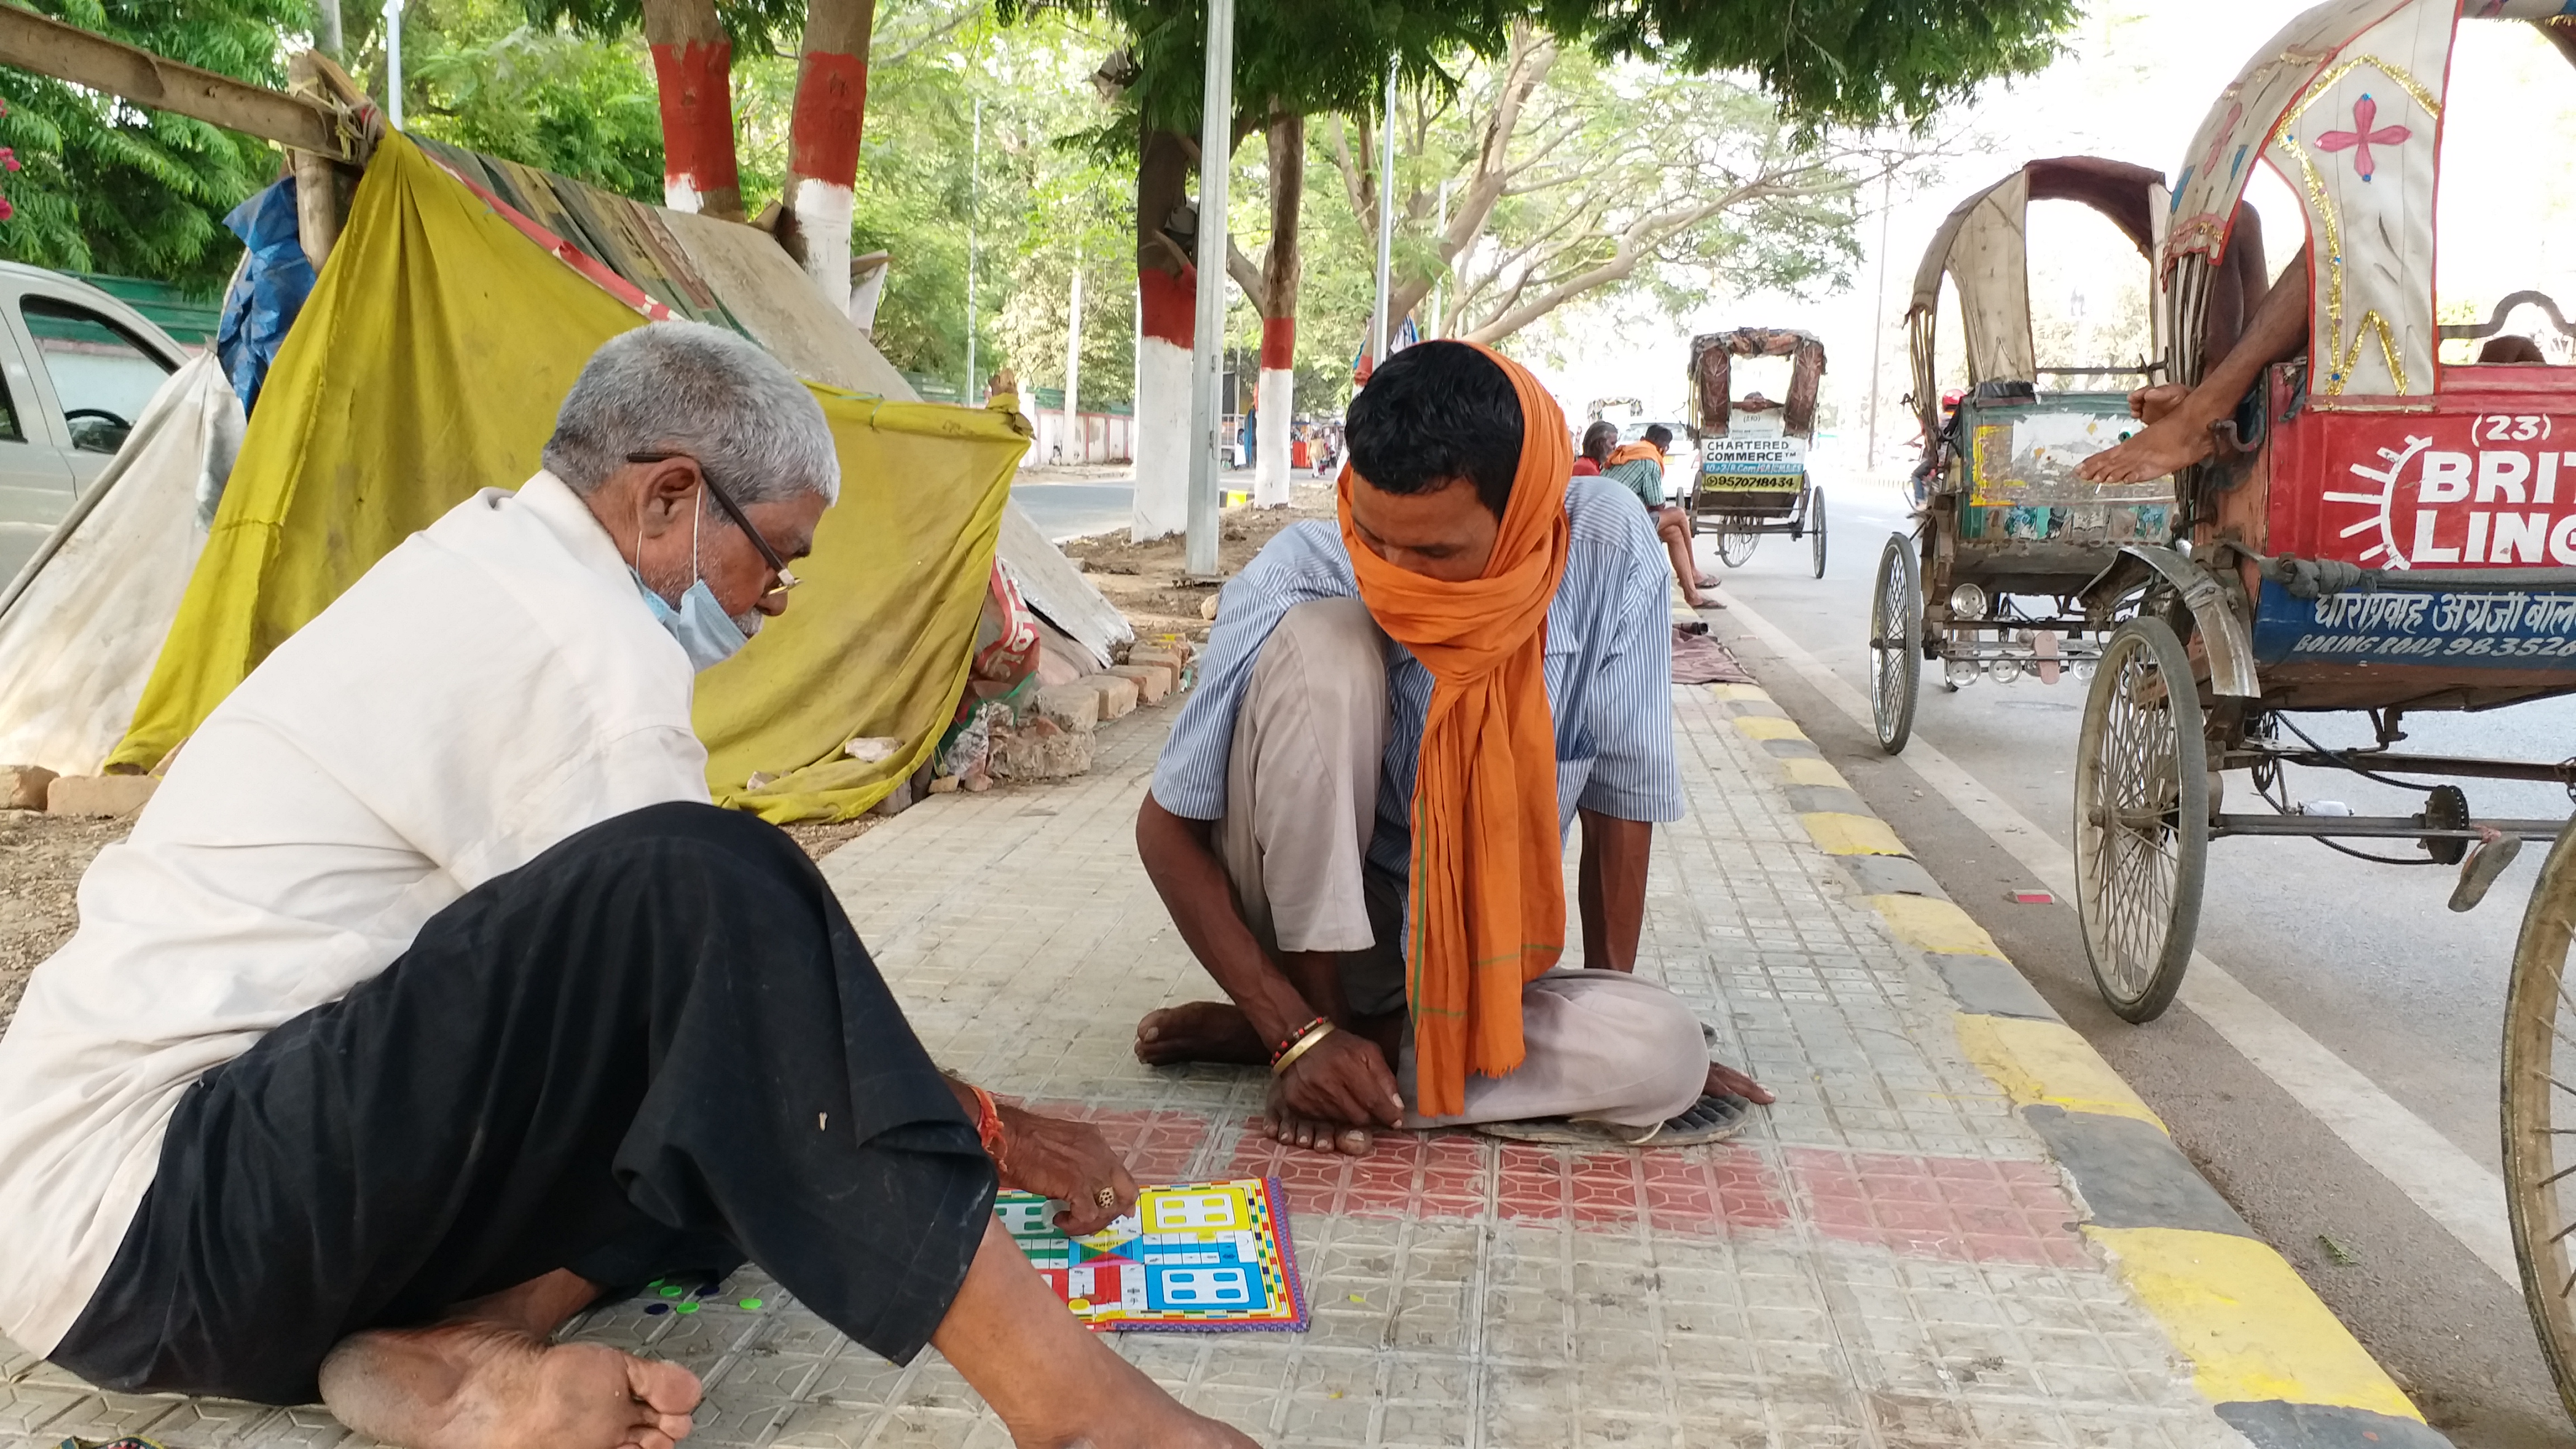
{"x":428,"y":364}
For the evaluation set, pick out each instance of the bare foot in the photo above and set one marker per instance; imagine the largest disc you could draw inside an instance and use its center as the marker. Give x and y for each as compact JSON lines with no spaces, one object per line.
{"x":1316,"y":1134}
{"x":1726,"y":1081}
{"x":1199,"y":1031}
{"x":477,"y":1384}
{"x":2175,"y":441}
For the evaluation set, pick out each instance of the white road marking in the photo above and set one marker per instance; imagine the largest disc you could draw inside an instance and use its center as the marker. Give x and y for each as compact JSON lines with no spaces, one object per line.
{"x":2454,"y":1189}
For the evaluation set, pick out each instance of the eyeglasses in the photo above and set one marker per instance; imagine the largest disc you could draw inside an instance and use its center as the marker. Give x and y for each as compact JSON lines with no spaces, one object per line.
{"x":733,"y":510}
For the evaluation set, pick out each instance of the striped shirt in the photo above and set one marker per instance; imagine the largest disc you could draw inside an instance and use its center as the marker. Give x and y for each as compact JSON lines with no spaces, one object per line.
{"x":1609,"y":669}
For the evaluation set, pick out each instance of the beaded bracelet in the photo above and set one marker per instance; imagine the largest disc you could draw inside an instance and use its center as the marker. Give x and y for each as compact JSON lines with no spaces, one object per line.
{"x":1297,"y":1045}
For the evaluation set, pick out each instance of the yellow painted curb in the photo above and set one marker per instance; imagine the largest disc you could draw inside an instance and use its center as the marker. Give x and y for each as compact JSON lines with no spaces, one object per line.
{"x":1837,"y":833}
{"x":2046,"y":1061}
{"x":1768,"y":727}
{"x":1934,"y":925}
{"x":1740,"y":693}
{"x":2251,"y":1328}
{"x":1804,"y":771}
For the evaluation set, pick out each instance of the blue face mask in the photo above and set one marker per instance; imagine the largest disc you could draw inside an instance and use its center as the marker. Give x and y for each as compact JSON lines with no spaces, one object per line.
{"x":706,"y":633}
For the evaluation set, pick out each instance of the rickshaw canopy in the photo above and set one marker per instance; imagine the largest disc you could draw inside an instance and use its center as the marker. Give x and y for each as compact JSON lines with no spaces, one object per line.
{"x":2346,"y":104}
{"x":1981,"y":247}
{"x":1712,"y":375}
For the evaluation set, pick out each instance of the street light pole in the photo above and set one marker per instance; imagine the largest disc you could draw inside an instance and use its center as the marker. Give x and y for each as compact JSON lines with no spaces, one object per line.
{"x":974,"y":200}
{"x":1878,"y":315}
{"x":393,"y":63}
{"x":1378,"y":320}
{"x":1207,"y":338}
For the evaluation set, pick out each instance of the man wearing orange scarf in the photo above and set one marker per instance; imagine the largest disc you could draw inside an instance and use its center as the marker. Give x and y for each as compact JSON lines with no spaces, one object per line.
{"x":1359,"y":822}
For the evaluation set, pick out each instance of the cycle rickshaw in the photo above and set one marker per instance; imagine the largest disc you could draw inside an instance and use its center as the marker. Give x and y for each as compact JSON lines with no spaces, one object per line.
{"x":2006,"y":534}
{"x":1752,"y":475}
{"x":2381,"y":530}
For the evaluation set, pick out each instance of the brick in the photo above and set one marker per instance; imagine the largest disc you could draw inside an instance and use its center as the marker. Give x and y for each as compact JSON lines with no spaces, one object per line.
{"x":1153,"y":681}
{"x":1074,"y":707}
{"x":23,"y":786}
{"x":99,"y":794}
{"x":1117,"y":696}
{"x":1041,"y":751}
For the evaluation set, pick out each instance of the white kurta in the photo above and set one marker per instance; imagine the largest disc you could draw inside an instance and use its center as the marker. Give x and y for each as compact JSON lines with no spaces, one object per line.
{"x":490,"y":687}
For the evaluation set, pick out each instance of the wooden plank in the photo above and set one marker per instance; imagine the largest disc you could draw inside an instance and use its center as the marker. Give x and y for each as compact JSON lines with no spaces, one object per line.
{"x":66,"y":52}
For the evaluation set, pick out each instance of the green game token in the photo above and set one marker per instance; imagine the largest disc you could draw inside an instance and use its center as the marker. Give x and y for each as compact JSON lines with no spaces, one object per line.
{"x":684,"y":1308}
{"x":751,"y":1303}
{"x":670,"y":1290}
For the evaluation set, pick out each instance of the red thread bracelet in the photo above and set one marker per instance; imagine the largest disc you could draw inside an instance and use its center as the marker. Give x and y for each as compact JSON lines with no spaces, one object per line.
{"x":988,"y":1126}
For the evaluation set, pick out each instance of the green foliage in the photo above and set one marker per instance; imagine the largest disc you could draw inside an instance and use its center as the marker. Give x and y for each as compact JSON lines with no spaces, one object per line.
{"x":478,"y":74}
{"x":106,"y":187}
{"x":1847,"y":62}
{"x":755,"y":25}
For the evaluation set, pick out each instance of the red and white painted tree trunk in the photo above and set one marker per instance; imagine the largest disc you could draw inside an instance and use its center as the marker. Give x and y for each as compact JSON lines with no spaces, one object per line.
{"x":1276,"y":398}
{"x":1167,"y":286}
{"x":693,"y":65}
{"x":823,"y":143}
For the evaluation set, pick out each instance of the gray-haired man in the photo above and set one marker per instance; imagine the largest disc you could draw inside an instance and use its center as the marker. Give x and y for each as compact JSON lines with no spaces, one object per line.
{"x":430,"y":1000}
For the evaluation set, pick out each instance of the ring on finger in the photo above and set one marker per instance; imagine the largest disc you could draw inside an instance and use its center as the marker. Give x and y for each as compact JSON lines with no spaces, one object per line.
{"x":1105,"y":1197}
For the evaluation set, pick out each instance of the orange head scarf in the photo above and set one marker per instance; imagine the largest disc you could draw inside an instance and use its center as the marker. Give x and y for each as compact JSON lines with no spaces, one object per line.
{"x":1633,"y":452}
{"x":1488,"y":884}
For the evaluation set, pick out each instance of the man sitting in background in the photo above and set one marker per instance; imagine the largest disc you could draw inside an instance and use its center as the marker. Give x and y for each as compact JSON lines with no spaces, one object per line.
{"x":1639,"y":468}
{"x":430,"y":999}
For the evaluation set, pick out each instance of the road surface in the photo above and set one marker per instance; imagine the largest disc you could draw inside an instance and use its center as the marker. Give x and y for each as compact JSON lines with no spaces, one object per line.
{"x":2372,"y":1008}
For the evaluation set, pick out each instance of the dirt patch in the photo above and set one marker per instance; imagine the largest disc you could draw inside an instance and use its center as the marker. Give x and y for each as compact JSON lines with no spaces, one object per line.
{"x":821,"y":838}
{"x":41,"y":861}
{"x":1144,"y":580}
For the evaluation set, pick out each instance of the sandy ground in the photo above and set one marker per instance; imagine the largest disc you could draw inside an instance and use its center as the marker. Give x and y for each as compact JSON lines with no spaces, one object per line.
{"x":1145,"y":579}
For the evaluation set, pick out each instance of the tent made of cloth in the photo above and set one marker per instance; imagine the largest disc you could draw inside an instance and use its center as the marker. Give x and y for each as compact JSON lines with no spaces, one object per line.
{"x":428,"y":364}
{"x":80,"y":625}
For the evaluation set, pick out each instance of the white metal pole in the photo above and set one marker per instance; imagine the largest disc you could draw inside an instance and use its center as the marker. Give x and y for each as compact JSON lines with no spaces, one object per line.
{"x":1878,"y":314}
{"x":974,"y":197}
{"x":1076,"y":447}
{"x":1378,"y":320}
{"x":1440,"y":284}
{"x":393,"y":62}
{"x":1207,"y":338}
{"x":326,"y":30}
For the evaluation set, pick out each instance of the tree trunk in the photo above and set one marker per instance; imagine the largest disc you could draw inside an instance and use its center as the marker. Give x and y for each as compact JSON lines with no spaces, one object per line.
{"x":823,"y":143}
{"x":1167,"y":286}
{"x":693,"y":64}
{"x":1277,"y":395}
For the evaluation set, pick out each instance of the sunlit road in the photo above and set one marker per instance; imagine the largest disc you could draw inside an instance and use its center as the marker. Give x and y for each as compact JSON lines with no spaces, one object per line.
{"x":1073,"y":510}
{"x":2363,"y":958}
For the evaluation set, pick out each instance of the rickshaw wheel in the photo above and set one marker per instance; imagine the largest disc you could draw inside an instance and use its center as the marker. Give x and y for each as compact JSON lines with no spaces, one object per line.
{"x":1735,"y":546}
{"x":1895,"y":643}
{"x":1816,"y":527}
{"x":2540,"y":1116}
{"x":2141,"y":819}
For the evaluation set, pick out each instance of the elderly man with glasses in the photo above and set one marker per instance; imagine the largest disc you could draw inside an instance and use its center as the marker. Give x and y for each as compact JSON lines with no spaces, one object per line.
{"x":430,"y":1001}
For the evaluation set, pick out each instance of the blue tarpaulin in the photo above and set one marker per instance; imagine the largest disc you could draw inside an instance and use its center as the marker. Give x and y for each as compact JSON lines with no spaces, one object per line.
{"x":271,"y":291}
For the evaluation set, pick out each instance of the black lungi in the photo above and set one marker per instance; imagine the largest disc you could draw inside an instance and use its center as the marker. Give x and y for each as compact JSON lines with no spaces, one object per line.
{"x":657,"y":1047}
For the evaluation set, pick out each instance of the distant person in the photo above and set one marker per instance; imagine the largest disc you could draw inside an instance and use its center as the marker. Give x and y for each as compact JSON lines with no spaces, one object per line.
{"x":1598,"y":441}
{"x":1639,"y":467}
{"x":1359,"y":822}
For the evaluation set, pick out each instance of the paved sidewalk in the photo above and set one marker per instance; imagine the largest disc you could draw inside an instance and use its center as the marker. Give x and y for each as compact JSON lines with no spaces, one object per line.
{"x":1890,"y":1256}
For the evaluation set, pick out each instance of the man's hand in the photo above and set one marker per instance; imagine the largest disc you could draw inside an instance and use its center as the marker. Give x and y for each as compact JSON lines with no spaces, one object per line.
{"x":1068,"y":1161}
{"x":1331,"y":1096}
